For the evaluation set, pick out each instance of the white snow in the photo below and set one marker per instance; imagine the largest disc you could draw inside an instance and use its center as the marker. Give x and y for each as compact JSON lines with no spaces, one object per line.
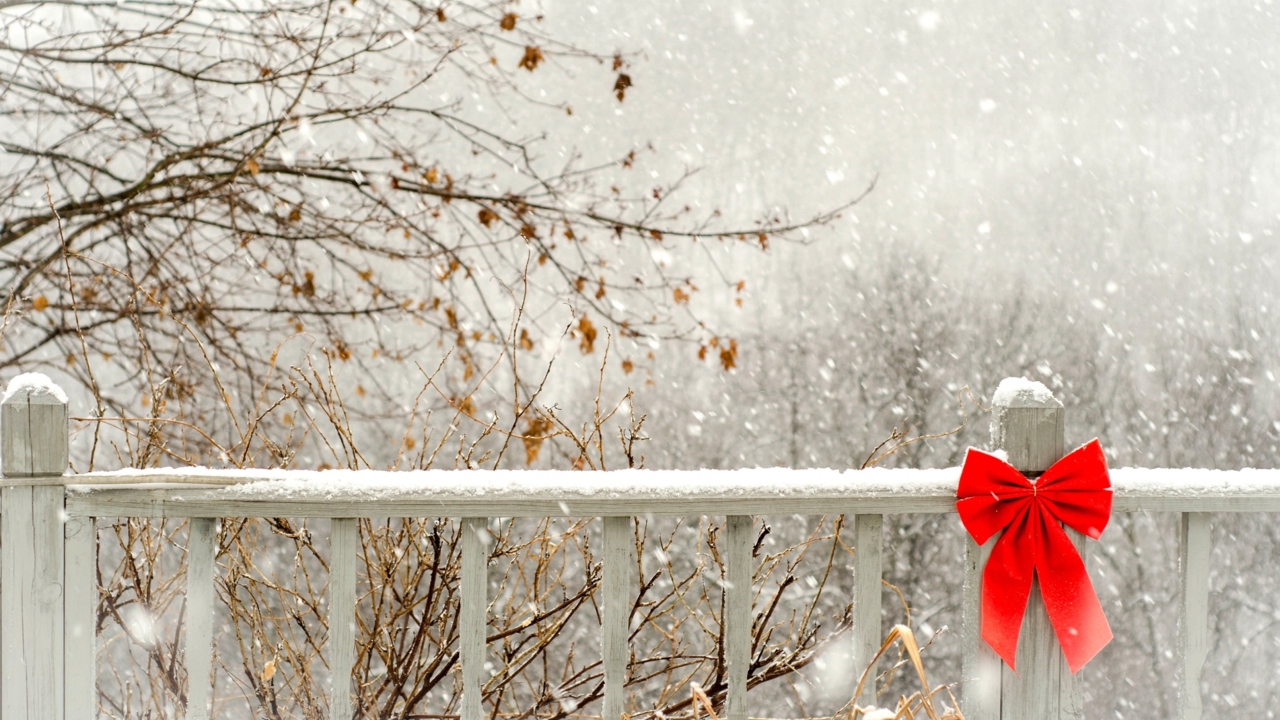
{"x":1137,"y":484}
{"x":372,"y":485}
{"x":37,"y":384}
{"x":1021,"y":392}
{"x":1194,"y":482}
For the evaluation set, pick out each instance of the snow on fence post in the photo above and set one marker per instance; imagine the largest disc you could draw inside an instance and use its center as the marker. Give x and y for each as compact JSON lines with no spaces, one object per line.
{"x":33,"y":453}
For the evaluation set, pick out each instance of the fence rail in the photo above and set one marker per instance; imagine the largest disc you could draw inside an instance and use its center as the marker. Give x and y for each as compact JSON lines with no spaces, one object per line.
{"x":515,"y":493}
{"x":48,"y":593}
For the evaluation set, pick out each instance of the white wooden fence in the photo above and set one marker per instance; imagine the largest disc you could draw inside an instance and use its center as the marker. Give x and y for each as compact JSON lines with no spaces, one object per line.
{"x":48,"y":592}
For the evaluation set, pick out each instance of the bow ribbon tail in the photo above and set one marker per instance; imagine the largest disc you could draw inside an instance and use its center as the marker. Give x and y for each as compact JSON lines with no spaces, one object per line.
{"x":1074,"y":609}
{"x":1006,"y":587}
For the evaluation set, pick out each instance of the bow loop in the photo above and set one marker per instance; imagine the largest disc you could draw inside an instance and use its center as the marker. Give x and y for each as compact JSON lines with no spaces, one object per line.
{"x":1079,"y":488}
{"x":989,"y":494}
{"x":993,"y":497}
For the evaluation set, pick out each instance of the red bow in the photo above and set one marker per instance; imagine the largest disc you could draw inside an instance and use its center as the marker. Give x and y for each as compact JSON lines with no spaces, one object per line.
{"x":993,"y":496}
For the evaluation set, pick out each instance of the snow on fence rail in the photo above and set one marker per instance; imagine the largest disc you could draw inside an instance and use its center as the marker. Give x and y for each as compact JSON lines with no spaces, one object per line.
{"x":48,"y":595}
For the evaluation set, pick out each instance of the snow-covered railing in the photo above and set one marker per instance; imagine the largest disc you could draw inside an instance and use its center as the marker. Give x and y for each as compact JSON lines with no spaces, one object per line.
{"x":48,"y":595}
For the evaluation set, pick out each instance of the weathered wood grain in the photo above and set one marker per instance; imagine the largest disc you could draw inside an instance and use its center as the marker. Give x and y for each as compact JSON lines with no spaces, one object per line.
{"x":80,"y":614}
{"x":475,"y":603}
{"x":343,"y":546}
{"x":189,"y":502}
{"x":198,"y":620}
{"x":1193,"y":610}
{"x":31,"y":607}
{"x":1071,"y":687}
{"x":737,"y":612}
{"x":615,"y":617}
{"x":868,"y":573}
{"x":33,"y":435}
{"x":33,"y":444}
{"x":981,"y":668}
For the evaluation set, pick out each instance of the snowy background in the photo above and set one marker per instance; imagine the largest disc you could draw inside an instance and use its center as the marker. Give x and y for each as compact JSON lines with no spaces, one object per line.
{"x":1084,"y":194}
{"x":1081,"y":193}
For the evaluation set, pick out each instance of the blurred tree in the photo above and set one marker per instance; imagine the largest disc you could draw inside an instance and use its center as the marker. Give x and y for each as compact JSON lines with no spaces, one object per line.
{"x":196,"y":195}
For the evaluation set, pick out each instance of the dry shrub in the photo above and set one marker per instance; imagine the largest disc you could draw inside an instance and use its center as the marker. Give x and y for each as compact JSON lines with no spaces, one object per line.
{"x":270,"y":624}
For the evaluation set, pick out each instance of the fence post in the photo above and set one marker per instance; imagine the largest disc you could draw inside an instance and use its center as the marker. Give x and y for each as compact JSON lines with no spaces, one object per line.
{"x":33,"y":451}
{"x":1028,"y":427}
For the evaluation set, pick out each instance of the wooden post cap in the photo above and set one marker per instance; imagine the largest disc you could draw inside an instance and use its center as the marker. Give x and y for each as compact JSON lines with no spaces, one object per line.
{"x":33,"y":428}
{"x":1027,"y":424}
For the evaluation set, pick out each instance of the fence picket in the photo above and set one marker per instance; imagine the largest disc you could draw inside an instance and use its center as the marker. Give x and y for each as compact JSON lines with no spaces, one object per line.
{"x":1071,"y":687}
{"x":80,"y":691}
{"x":198,"y":652}
{"x":868,"y":546}
{"x":474,"y":609}
{"x":344,"y":538}
{"x":981,"y":667}
{"x":737,"y":613}
{"x":616,"y":614}
{"x":1193,"y":610}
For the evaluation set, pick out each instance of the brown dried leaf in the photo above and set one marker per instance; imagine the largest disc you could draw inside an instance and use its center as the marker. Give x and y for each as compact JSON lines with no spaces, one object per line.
{"x":586,"y":333}
{"x":508,"y":22}
{"x":532,"y":56}
{"x":729,"y":355}
{"x":467,"y":405}
{"x":535,"y":433}
{"x":40,"y":303}
{"x":621,"y":84}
